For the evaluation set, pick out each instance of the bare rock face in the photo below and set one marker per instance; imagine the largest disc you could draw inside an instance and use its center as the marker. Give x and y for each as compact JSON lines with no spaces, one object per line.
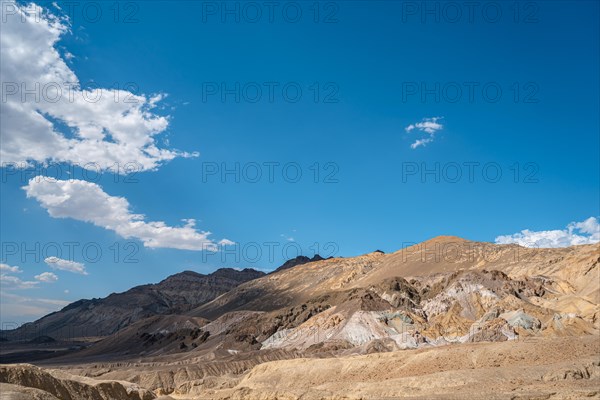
{"x":16,"y":392}
{"x":102,"y":317}
{"x":43,"y":384}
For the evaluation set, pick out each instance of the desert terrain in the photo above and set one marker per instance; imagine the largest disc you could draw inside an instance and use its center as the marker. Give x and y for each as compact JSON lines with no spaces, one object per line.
{"x":446,"y":318}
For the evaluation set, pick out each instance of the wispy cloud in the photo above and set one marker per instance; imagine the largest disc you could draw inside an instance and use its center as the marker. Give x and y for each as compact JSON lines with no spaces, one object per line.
{"x":9,"y":282}
{"x":584,"y":232}
{"x":288,"y":238}
{"x":429,"y":126}
{"x":18,"y":308}
{"x":86,"y":201}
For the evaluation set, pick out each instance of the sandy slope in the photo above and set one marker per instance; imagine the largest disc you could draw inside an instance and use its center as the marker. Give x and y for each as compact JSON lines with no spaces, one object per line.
{"x":567,"y":368}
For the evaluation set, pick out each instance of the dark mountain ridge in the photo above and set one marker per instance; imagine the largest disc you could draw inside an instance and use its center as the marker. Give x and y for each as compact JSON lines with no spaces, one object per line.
{"x":98,"y":317}
{"x":300,"y":260}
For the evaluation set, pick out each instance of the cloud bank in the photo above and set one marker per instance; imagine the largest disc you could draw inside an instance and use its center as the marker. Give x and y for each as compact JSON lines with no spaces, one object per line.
{"x":585,"y":232}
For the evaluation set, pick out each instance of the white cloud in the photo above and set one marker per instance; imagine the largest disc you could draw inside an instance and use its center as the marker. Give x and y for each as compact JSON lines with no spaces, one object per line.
{"x":106,"y":127}
{"x":575,"y":233}
{"x":430,"y":126}
{"x":86,"y":201}
{"x":46,"y":277}
{"x":421,"y":142}
{"x":590,"y":226}
{"x":65,"y":265}
{"x":8,"y":268}
{"x":9,"y":282}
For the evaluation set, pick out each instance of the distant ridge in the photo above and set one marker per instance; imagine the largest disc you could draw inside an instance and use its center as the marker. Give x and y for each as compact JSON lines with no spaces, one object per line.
{"x":292,"y":262}
{"x":176,"y":294}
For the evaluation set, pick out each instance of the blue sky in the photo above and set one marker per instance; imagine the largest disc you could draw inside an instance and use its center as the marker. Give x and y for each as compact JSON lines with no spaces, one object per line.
{"x":369,"y":64}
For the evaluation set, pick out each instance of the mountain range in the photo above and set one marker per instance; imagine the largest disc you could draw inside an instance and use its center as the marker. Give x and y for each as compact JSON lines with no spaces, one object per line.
{"x":176,"y":294}
{"x":223,"y":335}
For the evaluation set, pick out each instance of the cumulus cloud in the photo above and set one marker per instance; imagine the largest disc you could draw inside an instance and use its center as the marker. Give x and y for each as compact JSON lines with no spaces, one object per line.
{"x":65,"y":265}
{"x":430,"y":126}
{"x":49,"y":115}
{"x":48,"y":277}
{"x":585,"y":232}
{"x":7,"y":268}
{"x":86,"y":201}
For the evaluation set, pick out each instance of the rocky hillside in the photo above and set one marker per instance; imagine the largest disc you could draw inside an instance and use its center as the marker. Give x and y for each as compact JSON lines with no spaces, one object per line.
{"x":101,"y":317}
{"x":23,"y":381}
{"x":446,"y":290}
{"x":442,"y":291}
